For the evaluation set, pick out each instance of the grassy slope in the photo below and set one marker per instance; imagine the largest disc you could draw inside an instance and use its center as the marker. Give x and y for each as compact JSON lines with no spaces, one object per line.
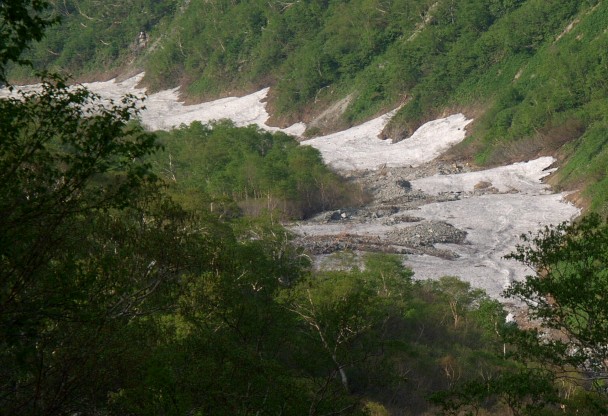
{"x":532,"y":72}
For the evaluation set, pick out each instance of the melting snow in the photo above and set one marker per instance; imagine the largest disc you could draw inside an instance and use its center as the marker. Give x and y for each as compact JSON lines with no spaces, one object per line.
{"x":493,"y":224}
{"x":360,"y":148}
{"x":164,"y":110}
{"x":493,"y":221}
{"x":519,"y":177}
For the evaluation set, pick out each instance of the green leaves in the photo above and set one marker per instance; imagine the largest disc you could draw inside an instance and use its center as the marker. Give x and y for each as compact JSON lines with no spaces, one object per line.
{"x":84,"y":240}
{"x":568,"y":290}
{"x":21,"y":23}
{"x":260,"y":171}
{"x":523,"y":391}
{"x":428,"y":56}
{"x":92,"y":161}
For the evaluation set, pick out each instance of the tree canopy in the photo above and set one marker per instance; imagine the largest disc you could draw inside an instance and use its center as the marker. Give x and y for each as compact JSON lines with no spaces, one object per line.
{"x":566,"y":294}
{"x":531,"y":72}
{"x":235,"y":171}
{"x":119,"y":298}
{"x":21,"y":22}
{"x":557,"y":357}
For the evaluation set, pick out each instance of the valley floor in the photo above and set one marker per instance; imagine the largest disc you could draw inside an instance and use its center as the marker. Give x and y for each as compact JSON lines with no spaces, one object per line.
{"x":444,"y":226}
{"x":446,"y":219}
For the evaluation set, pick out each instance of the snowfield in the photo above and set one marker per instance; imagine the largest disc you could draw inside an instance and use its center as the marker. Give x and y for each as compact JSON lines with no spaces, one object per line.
{"x":360,"y":148}
{"x":164,"y":110}
{"x":522,"y":177}
{"x":493,"y":224}
{"x":518,"y":202}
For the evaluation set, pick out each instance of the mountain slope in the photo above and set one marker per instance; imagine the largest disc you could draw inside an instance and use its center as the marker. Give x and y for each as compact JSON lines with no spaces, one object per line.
{"x":532,"y":72}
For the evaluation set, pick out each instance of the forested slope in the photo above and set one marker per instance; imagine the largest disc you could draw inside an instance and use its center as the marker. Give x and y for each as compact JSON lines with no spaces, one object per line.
{"x":532,"y":72}
{"x":125,"y":294}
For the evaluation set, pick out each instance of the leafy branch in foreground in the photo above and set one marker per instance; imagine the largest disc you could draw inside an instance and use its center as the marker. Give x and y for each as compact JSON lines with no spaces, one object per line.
{"x":559,"y":362}
{"x":70,"y":166}
{"x":21,"y":22}
{"x":567,"y":294}
{"x":521,"y":390}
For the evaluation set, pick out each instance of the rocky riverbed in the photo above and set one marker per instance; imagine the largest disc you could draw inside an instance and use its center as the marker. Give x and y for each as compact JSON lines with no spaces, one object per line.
{"x":387,"y":224}
{"x":446,"y":219}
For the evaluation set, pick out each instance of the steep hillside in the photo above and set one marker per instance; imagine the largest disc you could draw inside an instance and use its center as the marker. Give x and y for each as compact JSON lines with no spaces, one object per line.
{"x":533,"y":73}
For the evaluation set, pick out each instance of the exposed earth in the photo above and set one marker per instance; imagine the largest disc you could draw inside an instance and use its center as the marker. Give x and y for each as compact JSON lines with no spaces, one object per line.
{"x":389,"y":223}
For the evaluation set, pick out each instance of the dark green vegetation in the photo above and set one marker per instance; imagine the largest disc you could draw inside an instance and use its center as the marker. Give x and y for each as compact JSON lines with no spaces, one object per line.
{"x":567,"y":294}
{"x":245,"y":170}
{"x":566,"y":345}
{"x":117,"y":299}
{"x":532,"y":72}
{"x":18,"y":29}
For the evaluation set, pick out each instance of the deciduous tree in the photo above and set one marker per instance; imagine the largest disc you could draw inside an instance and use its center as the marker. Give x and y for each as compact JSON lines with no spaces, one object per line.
{"x":566,"y":296}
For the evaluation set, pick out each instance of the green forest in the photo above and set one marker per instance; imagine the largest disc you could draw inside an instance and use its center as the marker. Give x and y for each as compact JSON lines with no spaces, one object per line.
{"x":148,"y":273}
{"x":246,"y":171}
{"x":531,"y":72}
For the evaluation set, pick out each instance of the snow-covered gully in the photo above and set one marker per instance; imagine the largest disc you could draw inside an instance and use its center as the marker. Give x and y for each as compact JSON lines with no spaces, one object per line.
{"x":447,"y":219}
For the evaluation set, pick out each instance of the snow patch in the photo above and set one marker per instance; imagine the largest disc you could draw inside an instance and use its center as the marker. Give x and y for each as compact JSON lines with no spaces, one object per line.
{"x":493,"y":224}
{"x":164,"y":110}
{"x":519,"y":177}
{"x":359,"y":147}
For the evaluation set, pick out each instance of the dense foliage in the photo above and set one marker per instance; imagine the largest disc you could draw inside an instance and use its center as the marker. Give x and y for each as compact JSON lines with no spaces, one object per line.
{"x":566,"y":294}
{"x":116,"y":299}
{"x":532,"y":72}
{"x":119,"y":301}
{"x":95,"y":36}
{"x":233,"y":170}
{"x":560,"y":357}
{"x":21,"y":22}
